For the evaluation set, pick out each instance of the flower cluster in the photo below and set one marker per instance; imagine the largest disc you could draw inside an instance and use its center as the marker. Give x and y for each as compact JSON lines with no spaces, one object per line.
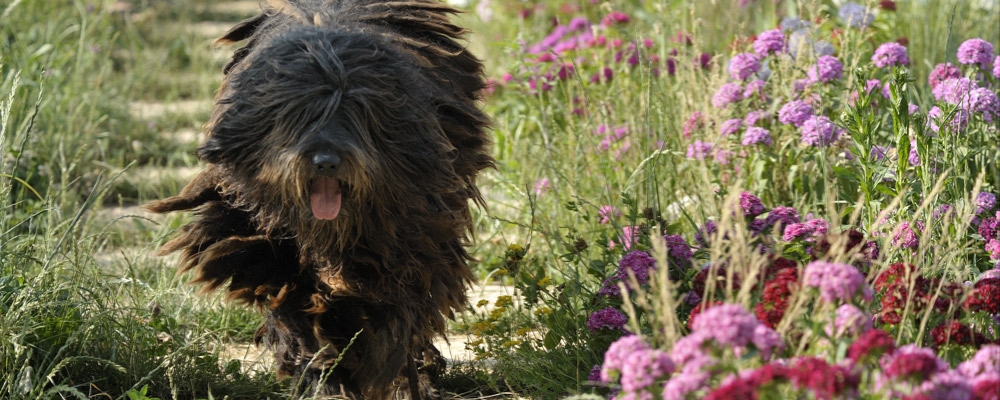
{"x":637,"y":366}
{"x":836,"y":281}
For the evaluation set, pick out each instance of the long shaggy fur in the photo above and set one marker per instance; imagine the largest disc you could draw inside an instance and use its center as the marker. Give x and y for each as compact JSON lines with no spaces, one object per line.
{"x":387,"y":88}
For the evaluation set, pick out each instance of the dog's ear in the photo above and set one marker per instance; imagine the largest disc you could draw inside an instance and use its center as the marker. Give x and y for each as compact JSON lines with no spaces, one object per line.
{"x":242,"y":31}
{"x":202,"y":189}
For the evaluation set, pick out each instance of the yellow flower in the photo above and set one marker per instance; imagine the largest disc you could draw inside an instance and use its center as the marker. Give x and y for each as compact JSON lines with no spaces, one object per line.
{"x":497,"y":313}
{"x":483,"y":303}
{"x":473,"y":344}
{"x":544,"y":281}
{"x":511,"y":343}
{"x":523,"y":331}
{"x":504,"y":301}
{"x":515,"y":248}
{"x":479,"y":327}
{"x":502,"y":272}
{"x":543,"y":311}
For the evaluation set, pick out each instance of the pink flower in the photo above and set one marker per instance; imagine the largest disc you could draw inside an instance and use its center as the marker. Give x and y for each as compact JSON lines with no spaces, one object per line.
{"x":975,"y":51}
{"x":618,"y":352}
{"x":827,"y":69}
{"x":889,"y":54}
{"x":607,"y":213}
{"x":795,"y":112}
{"x":729,"y":324}
{"x":772,"y":41}
{"x":756,"y":135}
{"x":986,"y":360}
{"x":727,"y":94}
{"x":615,"y":17}
{"x":850,"y":320}
{"x":836,"y":281}
{"x":699,"y":150}
{"x":942,"y":72}
{"x":642,"y":368}
{"x":911,"y":362}
{"x":751,"y":205}
{"x":542,"y":185}
{"x":743,"y":66}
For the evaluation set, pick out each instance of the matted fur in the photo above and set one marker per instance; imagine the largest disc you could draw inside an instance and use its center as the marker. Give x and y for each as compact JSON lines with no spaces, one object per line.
{"x":385,"y":86}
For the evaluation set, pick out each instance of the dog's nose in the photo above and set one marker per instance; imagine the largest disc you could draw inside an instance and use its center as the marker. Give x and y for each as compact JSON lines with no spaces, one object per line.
{"x":325,"y":162}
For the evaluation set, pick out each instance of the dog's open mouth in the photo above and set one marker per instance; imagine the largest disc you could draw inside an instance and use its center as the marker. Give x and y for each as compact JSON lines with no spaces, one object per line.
{"x":325,"y":198}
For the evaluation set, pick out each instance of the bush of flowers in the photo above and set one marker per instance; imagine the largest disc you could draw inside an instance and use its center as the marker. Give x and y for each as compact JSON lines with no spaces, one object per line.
{"x":873,"y":271}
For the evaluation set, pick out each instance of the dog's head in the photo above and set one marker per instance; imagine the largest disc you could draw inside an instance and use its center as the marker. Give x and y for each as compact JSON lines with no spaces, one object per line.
{"x":323,"y":124}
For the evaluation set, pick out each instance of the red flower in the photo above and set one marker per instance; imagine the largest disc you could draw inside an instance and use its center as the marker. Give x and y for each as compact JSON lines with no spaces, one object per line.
{"x":985,"y":296}
{"x":887,"y":5}
{"x":824,"y":380}
{"x":951,"y":332}
{"x":871,"y":345}
{"x":987,"y":388}
{"x":896,"y":272}
{"x":918,"y":366}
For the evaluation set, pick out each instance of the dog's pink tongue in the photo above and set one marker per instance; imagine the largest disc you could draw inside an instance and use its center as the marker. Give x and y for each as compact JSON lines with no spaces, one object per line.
{"x":325,"y":198}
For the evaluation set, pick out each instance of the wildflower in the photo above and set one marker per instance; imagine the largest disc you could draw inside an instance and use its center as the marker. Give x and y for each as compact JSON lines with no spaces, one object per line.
{"x":781,"y":216}
{"x":975,"y":51}
{"x":850,"y":320}
{"x":796,"y":231}
{"x":819,"y":131}
{"x":957,"y":123}
{"x":889,"y":54}
{"x":608,"y":212}
{"x":871,"y":345}
{"x":836,"y":281}
{"x":887,"y":5}
{"x":756,"y":135}
{"x":751,"y":205}
{"x":617,"y":353}
{"x":904,"y":236}
{"x":483,"y":303}
{"x":985,"y":102}
{"x":690,"y":347}
{"x":827,"y":69}
{"x":691,"y":379}
{"x":727,"y":128}
{"x":913,"y":158}
{"x":996,"y":67}
{"x":986,"y":360}
{"x":743,"y":66}
{"x":911,"y":362}
{"x":942,"y":210}
{"x":988,"y":228}
{"x":993,"y":247}
{"x":946,"y":385}
{"x":768,"y":42}
{"x":824,"y":380}
{"x":954,"y":91}
{"x":542,"y":311}
{"x":951,"y":332}
{"x":504,"y":301}
{"x":795,"y":112}
{"x":985,"y":202}
{"x":542,"y":186}
{"x":699,"y":150}
{"x":728,"y":93}
{"x":986,"y":386}
{"x":706,"y":232}
{"x":755,"y":116}
{"x":730,"y":325}
{"x":694,"y":123}
{"x":678,"y":249}
{"x":823,"y":48}
{"x":638,"y":264}
{"x":766,"y":340}
{"x":793,"y":24}
{"x":855,"y":15}
{"x":607,"y":318}
{"x":985,"y":296}
{"x":615,"y":17}
{"x":941,"y":73}
{"x":755,"y":88}
{"x":642,"y":368}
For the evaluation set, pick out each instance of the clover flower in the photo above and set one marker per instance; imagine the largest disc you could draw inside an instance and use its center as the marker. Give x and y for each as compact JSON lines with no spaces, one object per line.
{"x":756,"y":135}
{"x":607,"y":318}
{"x":836,"y":281}
{"x":727,"y":93}
{"x":699,"y":150}
{"x":795,"y":112}
{"x":743,"y":66}
{"x":751,"y":205}
{"x":768,"y":42}
{"x":855,"y":15}
{"x":889,"y":54}
{"x":827,"y":69}
{"x":975,"y":51}
{"x":819,"y":131}
{"x":941,"y":73}
{"x":728,"y":127}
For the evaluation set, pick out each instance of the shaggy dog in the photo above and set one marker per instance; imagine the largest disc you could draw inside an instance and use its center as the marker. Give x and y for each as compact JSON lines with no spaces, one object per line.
{"x":341,"y":160}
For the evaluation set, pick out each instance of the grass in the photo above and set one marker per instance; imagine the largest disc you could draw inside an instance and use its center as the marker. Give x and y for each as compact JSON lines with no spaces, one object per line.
{"x":87,"y":310}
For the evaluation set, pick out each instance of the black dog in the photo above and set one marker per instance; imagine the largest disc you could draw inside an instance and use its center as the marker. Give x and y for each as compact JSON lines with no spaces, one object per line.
{"x":342,"y":156}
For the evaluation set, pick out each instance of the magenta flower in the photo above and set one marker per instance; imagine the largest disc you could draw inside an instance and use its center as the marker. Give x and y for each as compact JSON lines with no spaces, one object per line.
{"x":615,"y":17}
{"x":795,"y":112}
{"x":690,"y":347}
{"x":986,"y":360}
{"x":985,"y":102}
{"x":827,"y":69}
{"x":607,"y":318}
{"x":730,"y":325}
{"x":607,"y":213}
{"x":780,"y":217}
{"x":957,"y":123}
{"x":767,"y":341}
{"x":618,"y":352}
{"x":743,"y":66}
{"x":819,"y":131}
{"x":985,"y":201}
{"x":772,"y":41}
{"x":755,"y":88}
{"x":638,"y":263}
{"x":948,"y":385}
{"x":755,"y":116}
{"x":699,"y":150}
{"x":904,"y":236}
{"x":836,"y":281}
{"x":912,"y":362}
{"x":996,"y":67}
{"x":850,"y":320}
{"x":694,"y":123}
{"x":756,"y":135}
{"x":889,"y":54}
{"x":941,"y":73}
{"x":975,"y":51}
{"x":954,"y":91}
{"x":729,"y":127}
{"x":751,"y":205}
{"x":542,"y":185}
{"x":678,"y":248}
{"x":728,"y":93}
{"x":642,"y":368}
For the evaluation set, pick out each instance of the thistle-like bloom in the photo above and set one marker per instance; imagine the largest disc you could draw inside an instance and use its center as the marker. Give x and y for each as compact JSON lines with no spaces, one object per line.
{"x":743,"y":66}
{"x":889,"y":54}
{"x":756,"y":135}
{"x":836,"y":281}
{"x":768,"y":42}
{"x":827,"y":69}
{"x":975,"y":51}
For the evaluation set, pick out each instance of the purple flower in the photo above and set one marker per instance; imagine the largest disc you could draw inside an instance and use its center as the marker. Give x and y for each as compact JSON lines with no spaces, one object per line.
{"x":678,"y":248}
{"x":795,"y":112}
{"x":879,"y":152}
{"x":836,"y":281}
{"x":642,"y":368}
{"x":638,"y":263}
{"x":755,"y":116}
{"x":975,"y":51}
{"x":827,"y":69}
{"x":751,"y":205}
{"x":819,"y":131}
{"x":728,"y":93}
{"x":772,"y":41}
{"x":985,"y":201}
{"x":782,"y":216}
{"x":904,"y":236}
{"x":947,"y":385}
{"x":607,"y":213}
{"x":941,"y":73}
{"x":850,"y":320}
{"x":618,"y":352}
{"x":796,"y":231}
{"x":889,"y":54}
{"x":729,"y":324}
{"x":983,"y":100}
{"x":743,"y":66}
{"x":699,"y":150}
{"x":680,"y":385}
{"x":996,"y":67}
{"x":993,"y":248}
{"x":954,"y":91}
{"x":607,"y":318}
{"x":957,"y":124}
{"x":755,"y":88}
{"x":756,"y":135}
{"x":914,"y":156}
{"x":689,"y":348}
{"x":855,"y":15}
{"x":943,"y":210}
{"x":766,"y":340}
{"x":793,"y":24}
{"x":729,"y":127}
{"x":986,"y":360}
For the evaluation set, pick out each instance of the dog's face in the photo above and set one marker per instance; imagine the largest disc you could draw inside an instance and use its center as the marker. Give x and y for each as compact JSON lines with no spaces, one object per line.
{"x":321,"y":126}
